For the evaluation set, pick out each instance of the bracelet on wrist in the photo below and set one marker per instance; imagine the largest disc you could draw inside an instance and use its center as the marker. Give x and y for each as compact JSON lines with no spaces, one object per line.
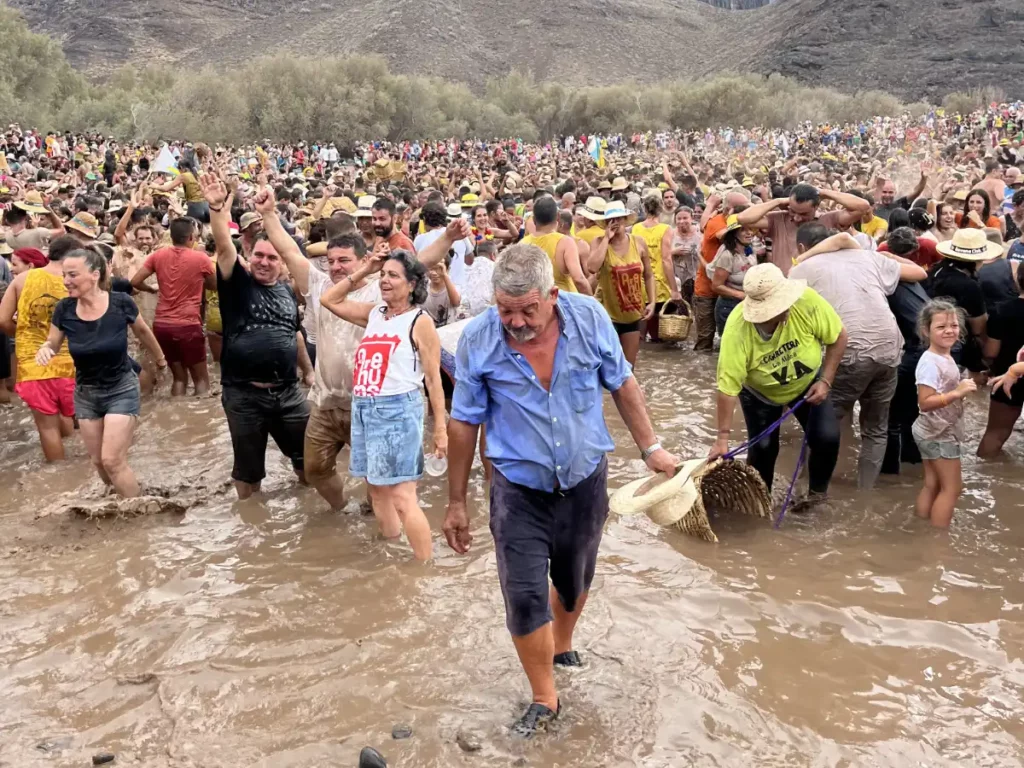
{"x":216,"y":210}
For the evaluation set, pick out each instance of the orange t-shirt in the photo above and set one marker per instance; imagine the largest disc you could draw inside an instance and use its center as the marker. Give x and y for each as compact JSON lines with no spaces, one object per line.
{"x":992,"y":223}
{"x":709,"y":246}
{"x":180,"y":275}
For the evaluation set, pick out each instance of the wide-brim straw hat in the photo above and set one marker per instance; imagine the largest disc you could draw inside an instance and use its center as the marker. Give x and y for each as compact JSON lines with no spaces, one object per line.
{"x":593,"y":209}
{"x":619,"y":184}
{"x":698,"y":488}
{"x":969,"y":245}
{"x":470,"y":200}
{"x":364,"y":208}
{"x":33,"y":203}
{"x":454,"y":210}
{"x":769,"y":293}
{"x":85,"y":224}
{"x":617,"y":210}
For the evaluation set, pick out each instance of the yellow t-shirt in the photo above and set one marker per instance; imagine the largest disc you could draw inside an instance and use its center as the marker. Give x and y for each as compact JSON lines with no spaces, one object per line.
{"x":621,"y":284}
{"x":652,"y":236}
{"x":193,"y":192}
{"x":39,"y":296}
{"x":590,"y":234}
{"x":875,"y":228}
{"x":780,"y":369}
{"x":549,"y":243}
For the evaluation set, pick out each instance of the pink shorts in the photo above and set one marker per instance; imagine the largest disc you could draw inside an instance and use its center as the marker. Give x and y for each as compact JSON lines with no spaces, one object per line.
{"x":48,"y":396}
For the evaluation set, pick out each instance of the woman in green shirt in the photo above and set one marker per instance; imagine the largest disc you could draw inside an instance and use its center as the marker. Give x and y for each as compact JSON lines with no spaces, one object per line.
{"x":771,"y":356}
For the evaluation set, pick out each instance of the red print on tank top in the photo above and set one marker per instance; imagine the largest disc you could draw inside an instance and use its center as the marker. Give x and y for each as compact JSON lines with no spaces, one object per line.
{"x":371,"y":367}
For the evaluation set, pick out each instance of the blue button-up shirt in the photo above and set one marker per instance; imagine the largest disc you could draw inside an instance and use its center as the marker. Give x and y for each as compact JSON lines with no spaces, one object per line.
{"x":542,"y":439}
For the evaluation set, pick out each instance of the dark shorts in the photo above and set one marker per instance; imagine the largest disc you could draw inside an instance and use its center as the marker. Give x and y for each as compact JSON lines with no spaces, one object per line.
{"x":255,"y":413}
{"x":6,"y":350}
{"x":121,"y":399}
{"x":1016,"y":398}
{"x":199,"y":211}
{"x":624,"y":328}
{"x":182,"y":344}
{"x":538,"y":533}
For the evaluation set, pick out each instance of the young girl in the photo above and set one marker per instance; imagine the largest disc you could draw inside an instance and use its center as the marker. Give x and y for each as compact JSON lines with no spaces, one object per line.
{"x":938,"y":431}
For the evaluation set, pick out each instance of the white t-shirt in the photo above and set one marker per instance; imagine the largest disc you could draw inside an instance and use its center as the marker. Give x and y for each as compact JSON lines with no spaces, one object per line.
{"x":461,"y":248}
{"x":945,"y":425}
{"x":336,"y":343}
{"x":476,"y":288}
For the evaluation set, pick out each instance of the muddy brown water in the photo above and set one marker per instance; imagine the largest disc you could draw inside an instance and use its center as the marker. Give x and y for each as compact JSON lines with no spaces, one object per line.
{"x":273,"y":632}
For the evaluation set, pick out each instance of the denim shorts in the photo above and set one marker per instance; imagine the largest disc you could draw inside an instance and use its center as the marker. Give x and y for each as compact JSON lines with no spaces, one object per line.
{"x":387,"y":438}
{"x":121,"y":399}
{"x":937,"y":449}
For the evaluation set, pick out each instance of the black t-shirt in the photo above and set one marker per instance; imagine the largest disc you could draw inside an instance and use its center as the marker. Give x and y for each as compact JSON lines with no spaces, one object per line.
{"x":1007,"y":325}
{"x":883,"y":210}
{"x":906,"y":303}
{"x":1012,"y":230}
{"x":961,"y":287}
{"x":98,"y":347}
{"x":997,"y":283}
{"x":964,"y":289}
{"x":260,"y":323}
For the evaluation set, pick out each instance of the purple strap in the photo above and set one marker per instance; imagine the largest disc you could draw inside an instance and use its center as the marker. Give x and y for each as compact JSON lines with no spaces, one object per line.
{"x":792,"y":483}
{"x":771,"y":428}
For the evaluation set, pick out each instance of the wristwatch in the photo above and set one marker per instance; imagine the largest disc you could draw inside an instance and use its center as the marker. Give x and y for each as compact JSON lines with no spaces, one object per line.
{"x":645,"y":454}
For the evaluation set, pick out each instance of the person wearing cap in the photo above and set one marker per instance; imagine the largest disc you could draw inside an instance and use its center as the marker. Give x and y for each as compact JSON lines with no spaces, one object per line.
{"x":771,"y":360}
{"x":857,"y":283}
{"x":625,"y":277}
{"x":19,"y":222}
{"x":532,"y":370}
{"x":956,"y":277}
{"x":779,"y":219}
{"x":250,"y":224}
{"x":48,"y":391}
{"x":364,"y":219}
{"x":181,"y":273}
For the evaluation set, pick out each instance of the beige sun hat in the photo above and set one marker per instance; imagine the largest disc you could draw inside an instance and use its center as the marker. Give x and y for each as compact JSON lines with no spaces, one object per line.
{"x":84,"y":223}
{"x":969,"y":245}
{"x":769,"y":293}
{"x":364,"y":208}
{"x":248,"y":219}
{"x":454,"y":211}
{"x":698,"y":487}
{"x":619,"y":184}
{"x":593,"y":209}
{"x":617,"y":210}
{"x":33,"y":203}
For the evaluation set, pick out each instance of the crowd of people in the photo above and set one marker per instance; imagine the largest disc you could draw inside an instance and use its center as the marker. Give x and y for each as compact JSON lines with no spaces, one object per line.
{"x":513,"y":283}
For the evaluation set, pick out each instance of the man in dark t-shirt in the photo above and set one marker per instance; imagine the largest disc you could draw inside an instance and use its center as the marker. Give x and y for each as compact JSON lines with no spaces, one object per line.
{"x":262,"y":346}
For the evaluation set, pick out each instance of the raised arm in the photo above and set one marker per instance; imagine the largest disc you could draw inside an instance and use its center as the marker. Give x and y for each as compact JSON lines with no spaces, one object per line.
{"x":121,"y":232}
{"x":755,"y":215}
{"x":217,"y":196}
{"x":457,"y":229}
{"x":854,"y":207}
{"x":283,"y":243}
{"x":335,"y":299}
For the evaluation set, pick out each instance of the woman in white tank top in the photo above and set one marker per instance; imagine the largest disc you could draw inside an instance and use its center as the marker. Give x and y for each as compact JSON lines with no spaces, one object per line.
{"x":399,"y":352}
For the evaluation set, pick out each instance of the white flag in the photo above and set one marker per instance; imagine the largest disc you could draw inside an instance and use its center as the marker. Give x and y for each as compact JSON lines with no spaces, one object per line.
{"x":165,"y":162}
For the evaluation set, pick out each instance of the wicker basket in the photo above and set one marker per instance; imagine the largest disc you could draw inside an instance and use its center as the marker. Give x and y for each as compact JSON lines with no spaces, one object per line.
{"x":675,"y":321}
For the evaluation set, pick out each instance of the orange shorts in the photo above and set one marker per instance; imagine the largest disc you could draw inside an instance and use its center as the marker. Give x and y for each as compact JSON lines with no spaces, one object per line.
{"x":48,"y":396}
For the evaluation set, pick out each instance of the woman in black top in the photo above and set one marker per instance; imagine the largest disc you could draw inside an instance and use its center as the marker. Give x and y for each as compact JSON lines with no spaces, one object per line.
{"x":1005,"y":339}
{"x":95,"y":323}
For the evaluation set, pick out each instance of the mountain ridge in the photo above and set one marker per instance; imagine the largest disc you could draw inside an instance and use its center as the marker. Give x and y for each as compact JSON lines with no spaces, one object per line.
{"x":914,"y":50}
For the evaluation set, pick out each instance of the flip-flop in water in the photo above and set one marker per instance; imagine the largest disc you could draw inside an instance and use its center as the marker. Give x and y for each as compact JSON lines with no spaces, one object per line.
{"x":568,"y":659}
{"x":536,"y":718}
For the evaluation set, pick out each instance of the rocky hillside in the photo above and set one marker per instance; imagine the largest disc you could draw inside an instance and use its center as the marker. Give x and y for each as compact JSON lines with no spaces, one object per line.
{"x":911,"y":48}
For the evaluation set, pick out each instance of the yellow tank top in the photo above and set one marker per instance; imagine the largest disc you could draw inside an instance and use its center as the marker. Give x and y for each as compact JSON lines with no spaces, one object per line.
{"x":193,"y":192}
{"x":214,"y":322}
{"x":652,"y":236}
{"x":548,"y":243}
{"x":590,"y":234}
{"x":39,"y":296}
{"x":621,"y":283}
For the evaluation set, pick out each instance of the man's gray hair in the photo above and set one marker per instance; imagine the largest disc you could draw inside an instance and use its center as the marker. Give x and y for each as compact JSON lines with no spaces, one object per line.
{"x":522,"y":268}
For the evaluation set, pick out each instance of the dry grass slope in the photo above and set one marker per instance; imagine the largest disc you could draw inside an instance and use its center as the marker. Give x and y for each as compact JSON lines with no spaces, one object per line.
{"x":911,"y":48}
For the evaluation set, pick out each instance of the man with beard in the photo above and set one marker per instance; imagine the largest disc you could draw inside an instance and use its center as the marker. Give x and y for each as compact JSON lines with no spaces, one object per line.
{"x":261,"y":394}
{"x":383,"y":218}
{"x":532,"y":370}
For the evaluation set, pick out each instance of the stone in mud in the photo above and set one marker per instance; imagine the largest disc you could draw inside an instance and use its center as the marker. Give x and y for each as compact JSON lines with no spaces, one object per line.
{"x":54,"y":744}
{"x":468,"y":742}
{"x":401,"y":732}
{"x":113,"y":506}
{"x":103,"y":758}
{"x":371,"y":758}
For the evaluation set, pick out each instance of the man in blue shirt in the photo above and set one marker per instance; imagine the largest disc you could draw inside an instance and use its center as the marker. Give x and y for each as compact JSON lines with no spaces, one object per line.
{"x":532,"y":369}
